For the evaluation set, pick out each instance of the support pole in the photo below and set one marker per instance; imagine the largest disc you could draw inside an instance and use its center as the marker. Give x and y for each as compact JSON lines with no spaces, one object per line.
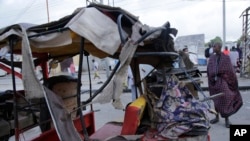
{"x":224,"y":23}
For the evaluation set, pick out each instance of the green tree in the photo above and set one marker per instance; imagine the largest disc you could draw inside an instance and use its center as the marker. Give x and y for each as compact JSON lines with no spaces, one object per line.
{"x":216,"y":39}
{"x":212,"y":41}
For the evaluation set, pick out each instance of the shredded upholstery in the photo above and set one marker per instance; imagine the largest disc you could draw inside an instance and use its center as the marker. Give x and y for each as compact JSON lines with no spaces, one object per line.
{"x":174,"y":112}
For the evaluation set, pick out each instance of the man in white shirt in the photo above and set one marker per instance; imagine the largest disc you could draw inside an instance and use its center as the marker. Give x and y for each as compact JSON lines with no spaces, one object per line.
{"x":234,"y":56}
{"x":131,"y":84}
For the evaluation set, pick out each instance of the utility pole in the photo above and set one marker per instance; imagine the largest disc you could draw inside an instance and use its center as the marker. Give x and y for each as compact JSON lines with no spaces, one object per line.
{"x":47,"y":6}
{"x":224,"y":24}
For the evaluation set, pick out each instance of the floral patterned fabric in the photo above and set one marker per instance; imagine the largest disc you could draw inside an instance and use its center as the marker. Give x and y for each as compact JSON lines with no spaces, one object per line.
{"x":175,"y":112}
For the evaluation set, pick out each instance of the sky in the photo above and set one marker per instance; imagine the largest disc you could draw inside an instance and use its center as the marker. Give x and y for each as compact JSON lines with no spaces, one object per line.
{"x":187,"y":16}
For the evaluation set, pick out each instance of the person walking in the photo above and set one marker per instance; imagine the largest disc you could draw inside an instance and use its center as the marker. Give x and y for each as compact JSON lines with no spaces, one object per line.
{"x":239,"y":62}
{"x":131,"y":84}
{"x":95,"y":69}
{"x":222,"y":79}
{"x":234,"y":57}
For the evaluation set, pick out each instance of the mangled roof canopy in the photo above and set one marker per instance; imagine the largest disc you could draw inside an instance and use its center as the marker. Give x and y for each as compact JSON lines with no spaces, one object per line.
{"x":96,"y":23}
{"x":107,"y":31}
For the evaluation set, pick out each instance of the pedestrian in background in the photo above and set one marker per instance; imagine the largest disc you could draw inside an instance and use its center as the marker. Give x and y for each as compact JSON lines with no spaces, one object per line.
{"x":185,"y":50}
{"x":72,"y":69}
{"x":208,"y":51}
{"x":131,"y":84}
{"x":185,"y":61}
{"x":95,"y":69}
{"x":226,"y":51}
{"x":222,"y":79}
{"x":239,"y":62}
{"x":234,"y":57}
{"x":238,"y":48}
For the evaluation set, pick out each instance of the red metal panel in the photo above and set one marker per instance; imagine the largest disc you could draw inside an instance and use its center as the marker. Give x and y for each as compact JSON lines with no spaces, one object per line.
{"x":8,"y":70}
{"x":51,"y":135}
{"x":131,"y":120}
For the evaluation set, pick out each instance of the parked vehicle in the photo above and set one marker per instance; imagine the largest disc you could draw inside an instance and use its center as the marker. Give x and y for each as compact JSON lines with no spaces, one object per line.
{"x":54,"y":103}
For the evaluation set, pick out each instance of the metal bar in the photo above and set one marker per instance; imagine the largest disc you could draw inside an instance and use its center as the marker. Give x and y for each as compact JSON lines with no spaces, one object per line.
{"x":121,"y":32}
{"x":156,"y":54}
{"x":79,"y":111}
{"x":48,"y":32}
{"x":11,"y":44}
{"x":9,"y":70}
{"x":148,"y":34}
{"x":90,"y":82}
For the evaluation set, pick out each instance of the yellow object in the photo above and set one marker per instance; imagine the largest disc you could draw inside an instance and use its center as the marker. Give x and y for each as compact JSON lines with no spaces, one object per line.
{"x":140,"y":103}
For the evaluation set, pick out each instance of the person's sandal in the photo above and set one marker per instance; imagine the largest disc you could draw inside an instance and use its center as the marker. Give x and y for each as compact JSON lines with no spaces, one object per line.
{"x":215,"y":120}
{"x":227,"y":123}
